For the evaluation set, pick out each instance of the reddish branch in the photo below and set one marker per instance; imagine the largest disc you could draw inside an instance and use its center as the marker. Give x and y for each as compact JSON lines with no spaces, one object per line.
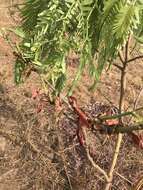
{"x":110,"y":126}
{"x":80,"y":113}
{"x":83,"y":122}
{"x":106,"y":126}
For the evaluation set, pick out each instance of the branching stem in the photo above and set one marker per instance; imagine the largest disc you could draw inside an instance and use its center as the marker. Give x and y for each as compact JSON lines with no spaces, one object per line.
{"x":121,"y":107}
{"x":135,"y":58}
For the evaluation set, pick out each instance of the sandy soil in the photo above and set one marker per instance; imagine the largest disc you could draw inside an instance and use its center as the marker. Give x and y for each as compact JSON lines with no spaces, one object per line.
{"x":30,"y":157}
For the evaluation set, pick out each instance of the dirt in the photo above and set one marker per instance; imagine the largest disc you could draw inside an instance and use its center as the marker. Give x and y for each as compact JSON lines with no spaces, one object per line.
{"x":35,"y":154}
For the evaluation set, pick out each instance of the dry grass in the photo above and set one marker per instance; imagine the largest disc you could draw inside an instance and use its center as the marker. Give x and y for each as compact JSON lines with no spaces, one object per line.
{"x":41,"y":151}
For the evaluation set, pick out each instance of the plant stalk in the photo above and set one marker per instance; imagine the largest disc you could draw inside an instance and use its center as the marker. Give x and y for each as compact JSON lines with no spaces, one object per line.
{"x":121,"y":108}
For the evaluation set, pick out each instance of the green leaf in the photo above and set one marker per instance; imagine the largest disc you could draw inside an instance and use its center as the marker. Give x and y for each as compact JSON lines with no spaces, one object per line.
{"x":53,"y":28}
{"x":19,"y":68}
{"x":18,"y":31}
{"x":125,"y":21}
{"x":139,"y":39}
{"x":60,"y":83}
{"x":26,"y":44}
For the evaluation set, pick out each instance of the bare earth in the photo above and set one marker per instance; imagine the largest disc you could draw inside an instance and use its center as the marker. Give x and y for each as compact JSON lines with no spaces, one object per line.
{"x":37,"y":155}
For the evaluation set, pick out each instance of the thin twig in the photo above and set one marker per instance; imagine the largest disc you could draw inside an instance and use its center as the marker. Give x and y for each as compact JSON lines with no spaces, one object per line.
{"x":135,"y":58}
{"x":118,"y":66}
{"x":68,"y":148}
{"x":90,"y":158}
{"x":124,"y":178}
{"x":137,"y":98}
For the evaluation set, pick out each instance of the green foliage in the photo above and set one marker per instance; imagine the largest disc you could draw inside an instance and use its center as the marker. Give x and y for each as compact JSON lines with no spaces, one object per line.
{"x":94,"y":29}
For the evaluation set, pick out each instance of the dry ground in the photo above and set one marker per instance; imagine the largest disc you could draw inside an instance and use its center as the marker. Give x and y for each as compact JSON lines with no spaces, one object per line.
{"x":37,"y":152}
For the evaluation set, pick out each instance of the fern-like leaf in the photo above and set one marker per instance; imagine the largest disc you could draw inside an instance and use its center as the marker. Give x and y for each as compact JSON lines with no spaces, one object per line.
{"x":125,"y":21}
